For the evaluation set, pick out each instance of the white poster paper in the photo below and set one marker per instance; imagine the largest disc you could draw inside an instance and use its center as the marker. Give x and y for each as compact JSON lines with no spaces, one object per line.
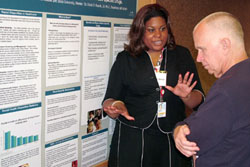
{"x":95,"y":65}
{"x":63,"y":50}
{"x":20,"y":136}
{"x":120,"y":37}
{"x":62,"y":112}
{"x":20,"y":58}
{"x":62,"y":153}
{"x":94,"y":148}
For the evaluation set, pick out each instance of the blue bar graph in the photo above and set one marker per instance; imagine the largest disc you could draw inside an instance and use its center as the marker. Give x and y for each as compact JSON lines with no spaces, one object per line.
{"x":7,"y":140}
{"x":25,"y":140}
{"x":31,"y":139}
{"x":19,"y":141}
{"x":36,"y":138}
{"x":11,"y":141}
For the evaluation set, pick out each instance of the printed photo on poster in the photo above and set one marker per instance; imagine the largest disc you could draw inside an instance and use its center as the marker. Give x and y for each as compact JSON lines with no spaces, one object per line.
{"x":94,"y":120}
{"x":25,"y":165}
{"x":74,"y":163}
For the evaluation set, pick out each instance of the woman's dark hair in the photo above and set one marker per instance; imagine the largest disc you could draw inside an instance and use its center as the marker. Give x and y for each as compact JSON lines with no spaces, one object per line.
{"x":137,"y":29}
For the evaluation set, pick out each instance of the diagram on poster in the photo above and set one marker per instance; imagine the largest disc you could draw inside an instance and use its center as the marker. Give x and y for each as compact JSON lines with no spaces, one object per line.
{"x":20,"y":135}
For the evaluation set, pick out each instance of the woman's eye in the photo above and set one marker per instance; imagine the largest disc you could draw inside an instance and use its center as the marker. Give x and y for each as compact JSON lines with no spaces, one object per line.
{"x":150,"y":30}
{"x":163,"y":28}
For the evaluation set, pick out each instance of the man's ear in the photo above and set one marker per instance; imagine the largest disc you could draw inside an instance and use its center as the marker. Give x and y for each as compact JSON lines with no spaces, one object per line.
{"x":226,"y":43}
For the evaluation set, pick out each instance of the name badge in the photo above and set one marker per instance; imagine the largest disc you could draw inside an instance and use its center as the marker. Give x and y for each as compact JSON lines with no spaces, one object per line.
{"x":161,"y":78}
{"x":161,"y":112}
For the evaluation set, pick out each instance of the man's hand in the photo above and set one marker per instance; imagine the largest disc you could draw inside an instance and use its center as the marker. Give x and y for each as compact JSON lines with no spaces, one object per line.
{"x":186,"y":147}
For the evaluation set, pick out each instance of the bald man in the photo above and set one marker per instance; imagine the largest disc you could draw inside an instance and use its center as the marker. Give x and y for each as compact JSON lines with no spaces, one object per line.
{"x":218,"y":134}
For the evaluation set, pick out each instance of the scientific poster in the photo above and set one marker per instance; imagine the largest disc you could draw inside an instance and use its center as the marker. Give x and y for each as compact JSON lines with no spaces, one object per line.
{"x":54,"y":67}
{"x":62,"y":112}
{"x":63,"y":49}
{"x":120,"y":38}
{"x":104,"y":8}
{"x":20,"y":58}
{"x":96,"y":47}
{"x":94,"y":148}
{"x":20,"y":88}
{"x":20,"y":136}
{"x":62,"y":153}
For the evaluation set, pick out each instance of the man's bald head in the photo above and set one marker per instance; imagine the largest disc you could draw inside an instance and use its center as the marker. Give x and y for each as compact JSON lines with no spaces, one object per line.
{"x":219,"y":39}
{"x":226,"y":24}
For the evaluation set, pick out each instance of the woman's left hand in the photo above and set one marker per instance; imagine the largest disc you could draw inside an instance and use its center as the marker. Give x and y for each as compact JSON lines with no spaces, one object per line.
{"x":184,"y":86}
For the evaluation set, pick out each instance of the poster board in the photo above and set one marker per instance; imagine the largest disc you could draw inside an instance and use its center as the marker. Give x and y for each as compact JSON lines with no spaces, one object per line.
{"x":55,"y":59}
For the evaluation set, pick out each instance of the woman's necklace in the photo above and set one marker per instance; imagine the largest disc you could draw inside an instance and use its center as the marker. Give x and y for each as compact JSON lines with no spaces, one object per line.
{"x":157,"y":62}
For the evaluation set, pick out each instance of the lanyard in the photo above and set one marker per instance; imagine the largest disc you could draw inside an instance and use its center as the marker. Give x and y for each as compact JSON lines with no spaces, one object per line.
{"x":164,"y":50}
{"x":166,"y":56}
{"x":157,"y":69}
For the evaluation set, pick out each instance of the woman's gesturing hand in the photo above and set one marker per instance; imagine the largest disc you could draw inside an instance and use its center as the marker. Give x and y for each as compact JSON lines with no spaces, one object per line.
{"x":184,"y":86}
{"x":116,"y":108}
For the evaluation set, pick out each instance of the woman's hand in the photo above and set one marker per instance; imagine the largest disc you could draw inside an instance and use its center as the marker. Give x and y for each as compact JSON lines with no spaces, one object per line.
{"x":184,"y":86}
{"x":114,"y":108}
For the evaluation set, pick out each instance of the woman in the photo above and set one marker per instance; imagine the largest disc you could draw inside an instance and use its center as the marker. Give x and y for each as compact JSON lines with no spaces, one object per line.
{"x":150,"y":83}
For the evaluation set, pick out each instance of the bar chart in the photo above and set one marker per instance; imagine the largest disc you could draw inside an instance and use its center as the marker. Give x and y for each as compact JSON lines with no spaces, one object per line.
{"x":12,"y":141}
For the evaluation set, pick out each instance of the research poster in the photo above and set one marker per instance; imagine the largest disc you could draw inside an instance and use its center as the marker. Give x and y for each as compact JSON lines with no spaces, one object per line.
{"x":63,"y":49}
{"x":94,"y":148}
{"x":62,"y":112}
{"x":62,"y":153}
{"x":100,"y":8}
{"x":20,"y":136}
{"x":96,"y":55}
{"x":120,"y":38}
{"x":20,"y":88}
{"x":20,"y":58}
{"x":55,"y":57}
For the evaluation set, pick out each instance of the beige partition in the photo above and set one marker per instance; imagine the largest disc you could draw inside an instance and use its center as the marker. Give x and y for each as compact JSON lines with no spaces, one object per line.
{"x":144,"y":2}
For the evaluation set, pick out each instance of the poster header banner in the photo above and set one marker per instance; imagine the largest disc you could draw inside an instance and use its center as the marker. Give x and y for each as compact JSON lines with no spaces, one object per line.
{"x":103,"y":8}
